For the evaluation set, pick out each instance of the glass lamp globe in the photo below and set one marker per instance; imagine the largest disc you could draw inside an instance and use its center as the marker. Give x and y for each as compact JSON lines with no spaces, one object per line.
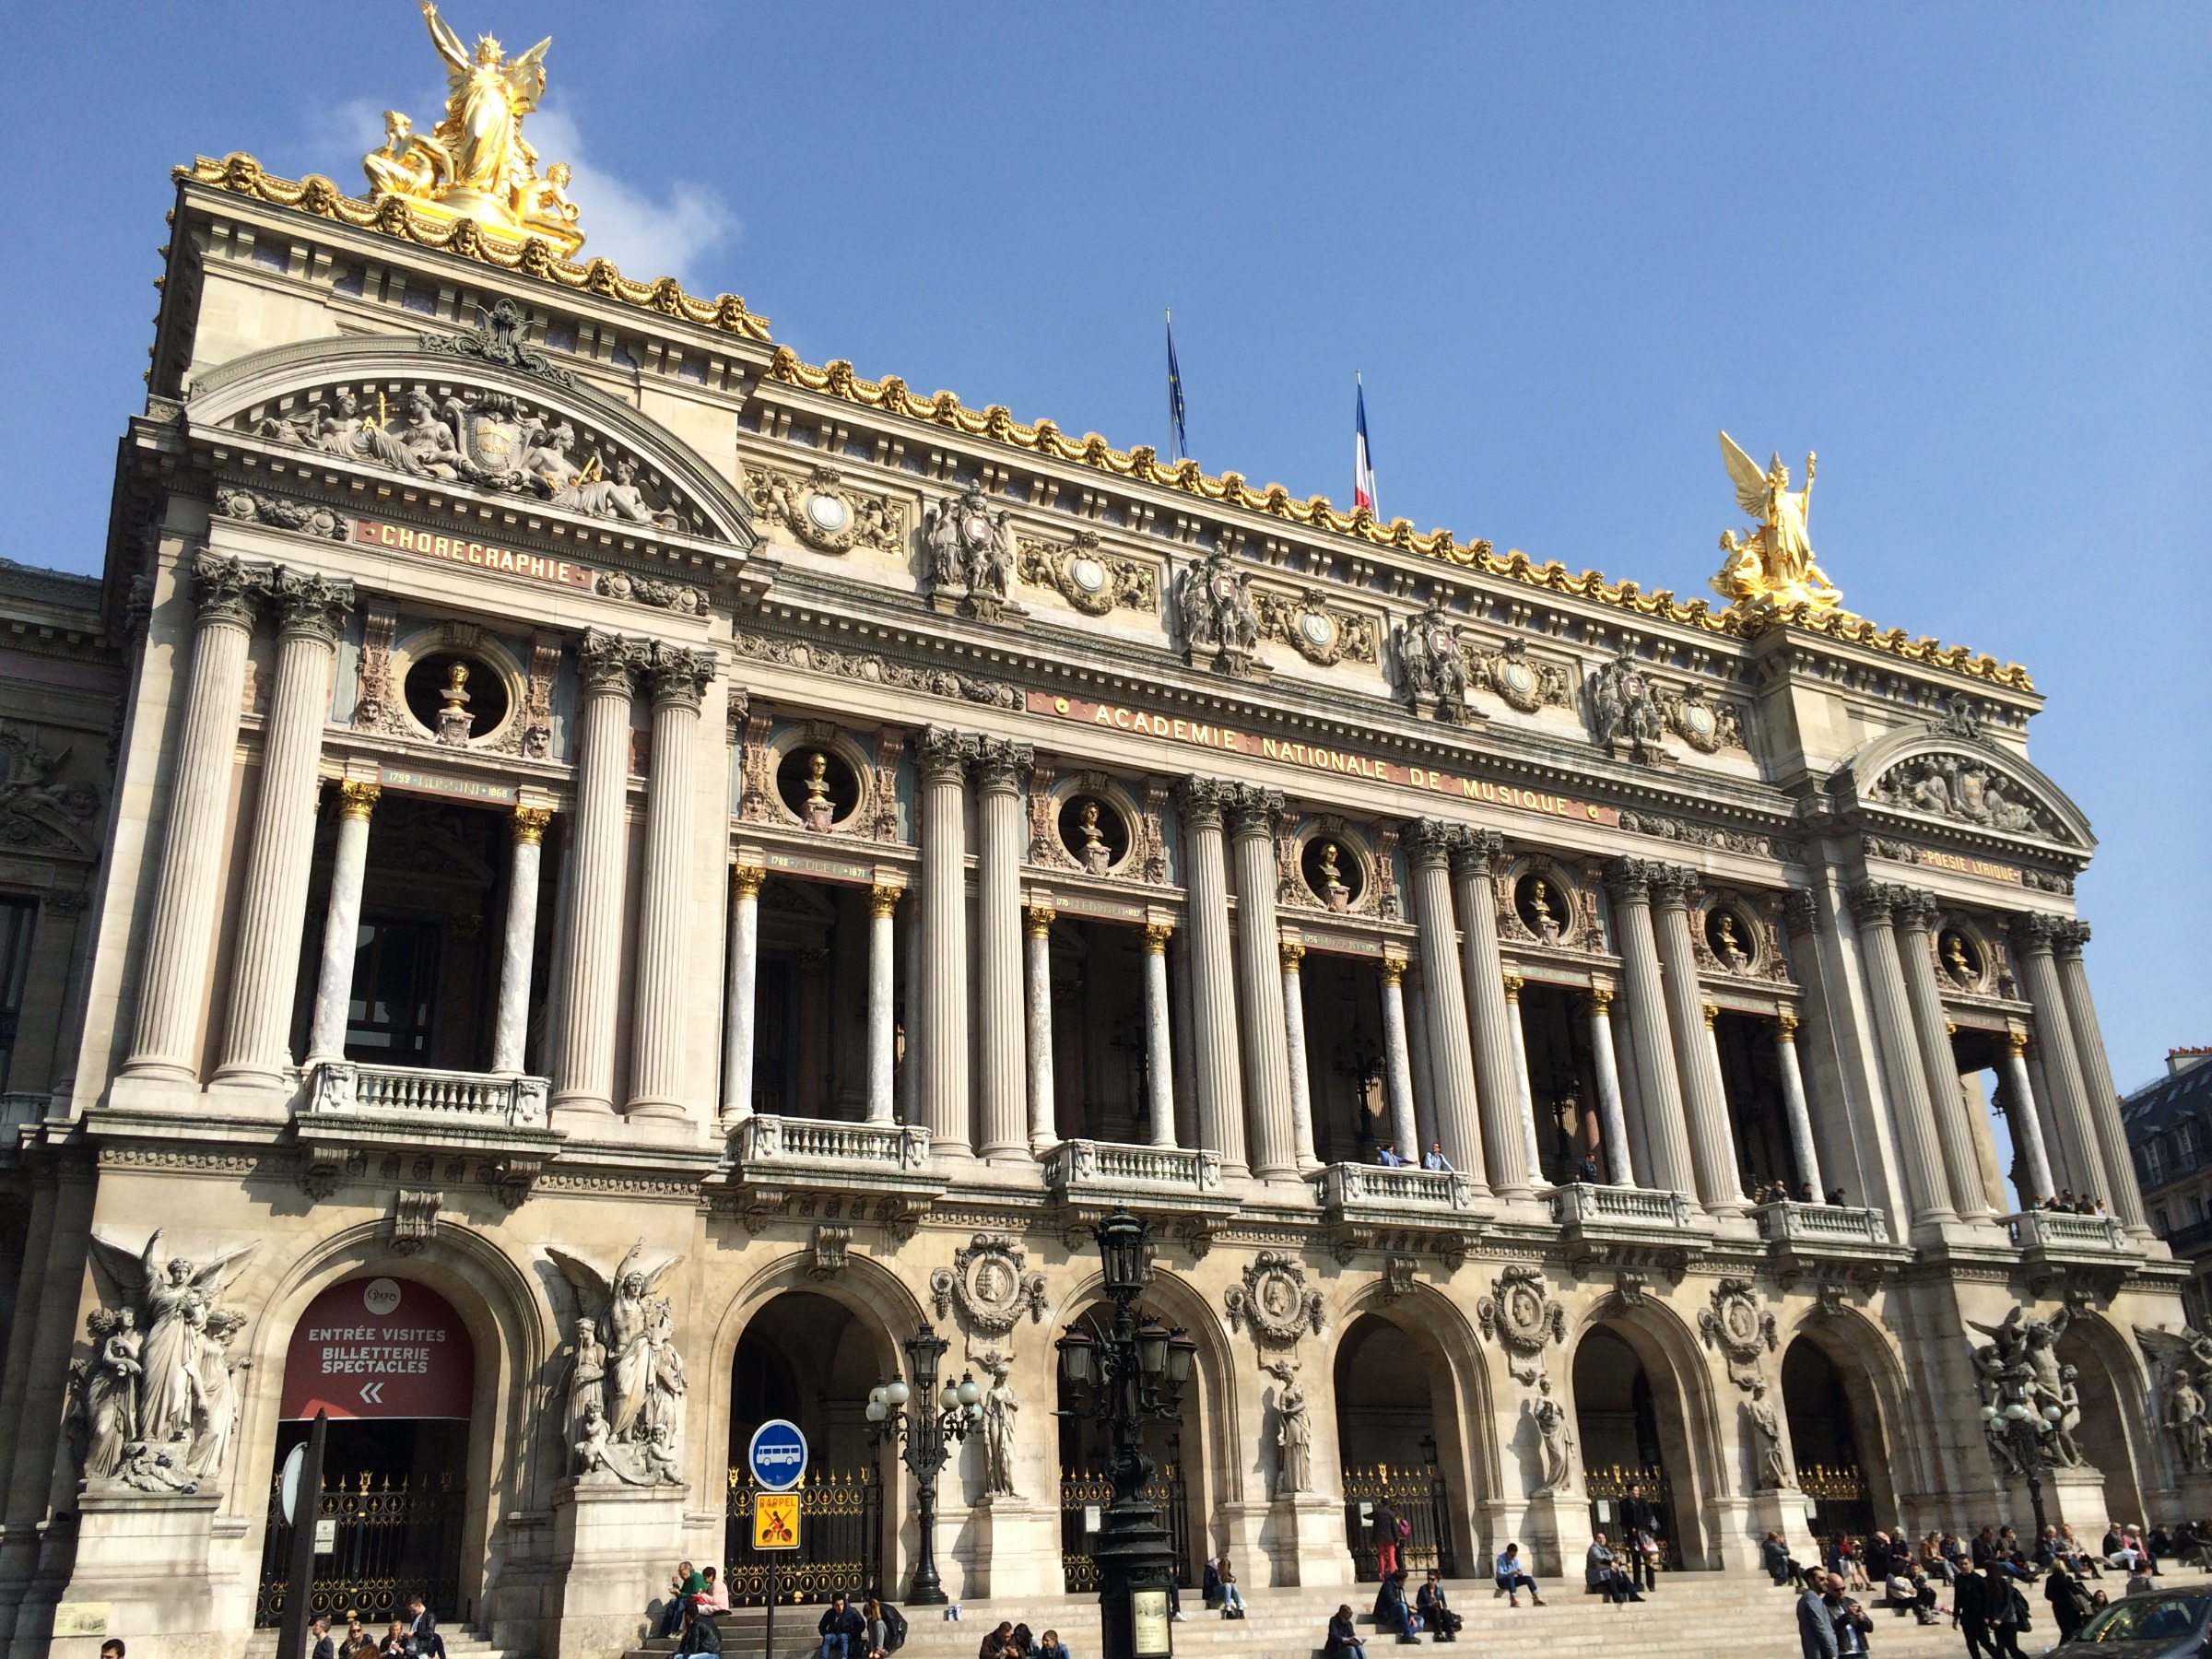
{"x":896,"y":1394}
{"x":969,"y":1393}
{"x":877,"y":1410}
{"x":949,"y":1397}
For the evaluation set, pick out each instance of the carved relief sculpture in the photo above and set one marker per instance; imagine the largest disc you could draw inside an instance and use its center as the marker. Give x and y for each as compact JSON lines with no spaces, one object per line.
{"x":2184,"y":1361}
{"x":1215,"y":615}
{"x":1740,"y":1327}
{"x":1091,"y":579}
{"x":1306,"y":622}
{"x":1001,"y":1406}
{"x":1624,"y":716}
{"x":1274,"y":1300}
{"x":622,"y":1414}
{"x":1431,"y":671}
{"x":970,"y":550}
{"x":2018,"y":1367}
{"x":1705,"y":725}
{"x":1293,"y":1430}
{"x":1556,"y":1439}
{"x":1521,"y":681}
{"x":1966,"y":790}
{"x":1774,"y":1471}
{"x":824,"y":513}
{"x":991,"y":1284}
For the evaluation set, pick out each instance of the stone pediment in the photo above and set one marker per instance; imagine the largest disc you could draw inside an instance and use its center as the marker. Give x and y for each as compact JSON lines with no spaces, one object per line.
{"x":478,"y":414}
{"x":1940,"y":777}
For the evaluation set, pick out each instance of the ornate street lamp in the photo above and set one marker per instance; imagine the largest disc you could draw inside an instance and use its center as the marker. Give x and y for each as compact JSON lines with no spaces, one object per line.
{"x":1124,"y":1375}
{"x":2021,"y":1430}
{"x":924,"y":1432}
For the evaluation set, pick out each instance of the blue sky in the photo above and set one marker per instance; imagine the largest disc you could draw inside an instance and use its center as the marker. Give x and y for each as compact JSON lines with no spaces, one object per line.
{"x":1965,"y":252}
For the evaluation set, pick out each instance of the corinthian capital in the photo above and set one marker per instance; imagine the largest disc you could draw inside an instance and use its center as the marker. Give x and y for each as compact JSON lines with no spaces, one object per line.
{"x":1429,"y":842}
{"x":1671,"y":884}
{"x":1877,"y":900}
{"x":310,"y":605}
{"x":1916,"y":909}
{"x":228,"y":590}
{"x":1201,"y":802}
{"x":941,"y":754}
{"x":608,"y":662}
{"x":1630,"y":878}
{"x":1479,"y":852}
{"x":677,"y":674}
{"x":1255,"y":810}
{"x":2069,"y":937}
{"x":1003,"y":764}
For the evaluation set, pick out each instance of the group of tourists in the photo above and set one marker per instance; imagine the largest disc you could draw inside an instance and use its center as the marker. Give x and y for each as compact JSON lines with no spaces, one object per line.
{"x":414,"y":1637}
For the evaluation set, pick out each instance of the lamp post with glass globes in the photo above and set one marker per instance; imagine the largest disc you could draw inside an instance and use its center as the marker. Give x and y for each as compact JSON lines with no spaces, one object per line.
{"x":1125,"y":1374}
{"x":2022,"y":1429}
{"x":925,"y":1432}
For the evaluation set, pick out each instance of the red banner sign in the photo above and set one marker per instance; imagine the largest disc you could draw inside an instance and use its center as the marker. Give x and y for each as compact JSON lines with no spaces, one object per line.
{"x":380,"y":1347}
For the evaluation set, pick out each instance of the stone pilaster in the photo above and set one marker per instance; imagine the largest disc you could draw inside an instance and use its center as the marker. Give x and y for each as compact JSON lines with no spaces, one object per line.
{"x":1712,"y":1146}
{"x":1294,"y":1033}
{"x":943,"y":757}
{"x":584,"y":1075}
{"x":1620,"y":1168}
{"x":518,"y":942}
{"x":2036,"y":936}
{"x":1002,"y":771}
{"x":1913,"y":915}
{"x":1794,"y":1103}
{"x":1201,"y":803}
{"x":1658,"y":1088}
{"x":1044,"y":1130}
{"x":1159,"y":1061}
{"x":738,"y":1013}
{"x":1267,"y":1109}
{"x":2020,"y":1112}
{"x":677,"y":678}
{"x":2127,"y":1198}
{"x":1504,"y":1134}
{"x":341,"y":923}
{"x":1872,"y":905}
{"x":1397,"y":1064}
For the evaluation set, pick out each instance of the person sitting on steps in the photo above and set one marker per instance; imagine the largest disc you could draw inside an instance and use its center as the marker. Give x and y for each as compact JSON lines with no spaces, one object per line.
{"x":1391,"y":1611}
{"x":1232,"y":1599}
{"x":1511,"y":1580}
{"x":1343,"y":1639}
{"x":1435,"y":1611}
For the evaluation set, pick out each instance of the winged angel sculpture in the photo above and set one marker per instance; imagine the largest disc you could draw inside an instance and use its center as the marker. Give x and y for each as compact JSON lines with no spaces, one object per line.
{"x":622,"y":1414}
{"x":2184,"y":1407}
{"x":157,"y":1405}
{"x":1774,"y":562}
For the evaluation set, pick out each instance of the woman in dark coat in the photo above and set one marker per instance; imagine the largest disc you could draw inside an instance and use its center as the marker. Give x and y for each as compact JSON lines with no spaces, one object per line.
{"x":1344,"y":1640}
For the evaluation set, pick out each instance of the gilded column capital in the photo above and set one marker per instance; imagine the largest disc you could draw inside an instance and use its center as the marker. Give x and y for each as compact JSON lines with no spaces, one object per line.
{"x":357,"y":798}
{"x":1201,"y":802}
{"x":1255,"y":810}
{"x":942,"y":754}
{"x":1293,"y":953}
{"x":530,"y":825}
{"x":1157,"y":934}
{"x":1630,"y":879}
{"x":1513,"y":982}
{"x":1800,"y":915}
{"x":2037,"y":932}
{"x":748,"y":879}
{"x":312,"y":607}
{"x":2067,"y":937}
{"x":1002,"y":765}
{"x":2015,"y":1043}
{"x":229,"y":590}
{"x":883,"y":899}
{"x":608,"y":662}
{"x":1713,"y":1014}
{"x":1598,"y":1000}
{"x":1394,"y":971}
{"x":677,"y":675}
{"x":1786,"y":1025}
{"x":1479,"y":852}
{"x":1041,"y":917}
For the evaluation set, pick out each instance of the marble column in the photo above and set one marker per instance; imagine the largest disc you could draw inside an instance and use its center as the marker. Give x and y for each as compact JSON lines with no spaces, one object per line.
{"x":1294,"y":1036}
{"x":1182,"y":1041}
{"x":341,"y":923}
{"x":738,"y":1019}
{"x":1794,"y":1103}
{"x":1697,"y":1068}
{"x":1416,"y":1039}
{"x":942,"y":759}
{"x":1268,"y":1113}
{"x":1160,"y":1060}
{"x":676,"y":676}
{"x":909,"y":1017}
{"x":1459,"y":1121}
{"x":1397,"y":1066}
{"x":1045,"y":1121}
{"x":1504,"y":1136}
{"x":1913,"y":1117}
{"x":2035,"y":935}
{"x":1532,"y":1144}
{"x":1658,"y":1088}
{"x":518,"y":941}
{"x":272,"y":918}
{"x":173,"y":983}
{"x":1914,"y":916}
{"x":1620,"y":1168}
{"x":1201,"y":803}
{"x":583,"y":1073}
{"x":882,"y":1011}
{"x":2027,"y":1132}
{"x":1631,"y":1100}
{"x":1002,"y":771}
{"x":2126,"y":1197}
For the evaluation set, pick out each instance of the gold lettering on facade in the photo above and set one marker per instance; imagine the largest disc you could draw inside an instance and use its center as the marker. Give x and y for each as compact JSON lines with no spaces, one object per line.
{"x":454,"y":549}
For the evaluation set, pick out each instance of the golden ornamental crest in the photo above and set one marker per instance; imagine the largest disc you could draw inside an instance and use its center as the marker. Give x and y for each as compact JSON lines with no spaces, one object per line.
{"x":1774,"y":563}
{"x":475,"y":164}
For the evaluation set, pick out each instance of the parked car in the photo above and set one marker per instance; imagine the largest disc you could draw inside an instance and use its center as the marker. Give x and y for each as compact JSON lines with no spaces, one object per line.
{"x":2165,"y":1624}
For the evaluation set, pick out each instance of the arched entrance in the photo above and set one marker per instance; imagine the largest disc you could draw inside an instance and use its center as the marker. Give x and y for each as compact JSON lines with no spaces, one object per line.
{"x":1836,"y":1439}
{"x":391,"y":1365}
{"x":1086,"y":1487}
{"x":1386,"y":1389}
{"x":1629,"y":1419}
{"x":2103,"y":1433}
{"x":807,"y":1357}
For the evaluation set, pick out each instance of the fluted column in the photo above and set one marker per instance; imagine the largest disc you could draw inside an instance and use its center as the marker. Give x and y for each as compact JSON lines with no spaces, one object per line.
{"x":2035,"y":935}
{"x":1596,"y":1007}
{"x":737,"y":1020}
{"x":2027,"y":1132}
{"x":310,"y":610}
{"x":1045,"y":1122}
{"x":676,"y":676}
{"x":1658,"y":1088}
{"x":2067,"y":939}
{"x":1201,"y":803}
{"x":583,"y":1080}
{"x":1532,"y":1144}
{"x":1183,"y":1033}
{"x":1914,"y":919}
{"x":1416,"y":1039}
{"x":1794,"y":1103}
{"x":1294,"y":1036}
{"x":1260,"y":985}
{"x":1459,"y":1121}
{"x":1002,"y":771}
{"x":518,"y":940}
{"x":1159,"y":1063}
{"x":1872,"y":904}
{"x":1504,"y":1134}
{"x":1631,"y":1100}
{"x":1398,"y":1067}
{"x":173,"y":983}
{"x":943,"y":757}
{"x":341,"y":923}
{"x":883,"y":1013}
{"x":1711,"y":1146}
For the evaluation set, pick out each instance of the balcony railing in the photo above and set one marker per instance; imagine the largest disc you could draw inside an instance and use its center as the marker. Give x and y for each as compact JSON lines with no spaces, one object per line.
{"x":1589,"y":1204}
{"x":344,"y":1086}
{"x":2058,"y":1230}
{"x":1087,"y":1166}
{"x":1822,"y":1224}
{"x":1351,"y":1185}
{"x":765,"y":1141}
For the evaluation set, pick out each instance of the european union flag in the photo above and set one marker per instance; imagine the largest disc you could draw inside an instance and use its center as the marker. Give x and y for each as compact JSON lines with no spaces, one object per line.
{"x":1179,"y":443}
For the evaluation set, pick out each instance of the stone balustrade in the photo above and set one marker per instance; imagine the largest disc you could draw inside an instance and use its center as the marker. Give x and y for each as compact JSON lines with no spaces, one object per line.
{"x":2062,"y":1230}
{"x":763,"y":1141}
{"x":1822,"y":1223}
{"x":344,"y":1086}
{"x":1085,"y":1166}
{"x":1585,"y":1202}
{"x":1348,"y":1185}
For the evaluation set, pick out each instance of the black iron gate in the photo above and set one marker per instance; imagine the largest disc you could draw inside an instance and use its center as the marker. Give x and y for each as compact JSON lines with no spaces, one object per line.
{"x":1084,"y":1497}
{"x":841,"y":1541}
{"x":388,"y":1542}
{"x":1837,"y":1500}
{"x":1607,"y":1488}
{"x":1422,"y":1503}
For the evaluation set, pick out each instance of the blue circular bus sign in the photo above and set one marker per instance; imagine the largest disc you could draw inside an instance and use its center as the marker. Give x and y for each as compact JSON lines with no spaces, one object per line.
{"x":777,"y":1455}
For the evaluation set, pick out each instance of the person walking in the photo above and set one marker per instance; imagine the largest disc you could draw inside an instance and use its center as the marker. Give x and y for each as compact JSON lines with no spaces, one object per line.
{"x":2069,"y":1602}
{"x":1816,"y":1620}
{"x":1388,"y":1531}
{"x":2005,"y":1613}
{"x":1512,"y":1580}
{"x":1640,"y":1537}
{"x":1970,"y":1610}
{"x":1852,"y":1624}
{"x":324,"y":1647}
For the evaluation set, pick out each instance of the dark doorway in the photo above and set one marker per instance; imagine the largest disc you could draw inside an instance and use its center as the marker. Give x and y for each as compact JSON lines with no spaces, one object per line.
{"x":1617,"y":1418}
{"x":395,"y":1490}
{"x":1562,"y":1082}
{"x":1086,"y":1489}
{"x":1751,"y":1079}
{"x":1825,"y":1442}
{"x":1386,"y":1437}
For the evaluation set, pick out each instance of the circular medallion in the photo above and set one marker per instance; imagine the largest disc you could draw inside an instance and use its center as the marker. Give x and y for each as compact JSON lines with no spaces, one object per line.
{"x":829,"y":512}
{"x":1698,"y":721}
{"x":1518,"y":678}
{"x":1086,"y":573}
{"x":1319,"y":628}
{"x":975,"y":529}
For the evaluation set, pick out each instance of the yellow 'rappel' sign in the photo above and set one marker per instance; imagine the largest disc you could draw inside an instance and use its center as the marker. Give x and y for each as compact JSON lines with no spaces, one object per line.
{"x":775,"y":1521}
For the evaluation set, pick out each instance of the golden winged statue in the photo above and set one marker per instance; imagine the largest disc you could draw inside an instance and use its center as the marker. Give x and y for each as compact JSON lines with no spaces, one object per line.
{"x":1774,"y":562}
{"x":475,"y":164}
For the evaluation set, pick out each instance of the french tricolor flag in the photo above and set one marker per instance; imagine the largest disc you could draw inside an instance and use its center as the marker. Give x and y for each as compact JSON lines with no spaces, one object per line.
{"x":1363,"y":459}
